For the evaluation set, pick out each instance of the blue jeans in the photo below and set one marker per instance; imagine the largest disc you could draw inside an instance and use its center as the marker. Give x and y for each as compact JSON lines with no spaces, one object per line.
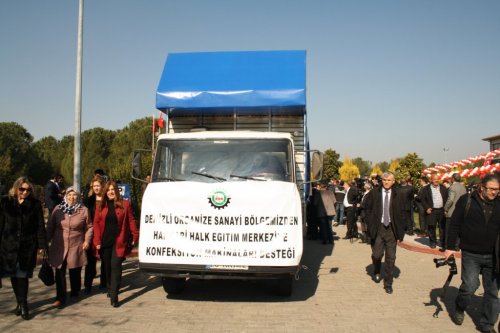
{"x":472,"y":265}
{"x":339,"y":209}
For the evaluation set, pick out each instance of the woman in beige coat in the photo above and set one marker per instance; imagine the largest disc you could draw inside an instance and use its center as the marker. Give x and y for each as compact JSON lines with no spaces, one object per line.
{"x":70,"y":232}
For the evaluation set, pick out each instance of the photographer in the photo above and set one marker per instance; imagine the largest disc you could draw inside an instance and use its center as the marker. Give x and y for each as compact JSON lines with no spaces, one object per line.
{"x":476,"y":220}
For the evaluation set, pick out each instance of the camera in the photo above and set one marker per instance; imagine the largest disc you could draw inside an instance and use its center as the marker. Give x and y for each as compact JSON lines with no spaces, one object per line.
{"x":450,"y":262}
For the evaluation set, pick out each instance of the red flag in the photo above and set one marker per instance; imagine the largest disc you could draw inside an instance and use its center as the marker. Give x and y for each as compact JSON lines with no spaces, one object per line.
{"x":161,"y":123}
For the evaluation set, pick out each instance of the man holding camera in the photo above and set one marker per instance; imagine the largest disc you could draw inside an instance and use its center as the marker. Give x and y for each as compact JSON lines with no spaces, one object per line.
{"x":476,"y":220}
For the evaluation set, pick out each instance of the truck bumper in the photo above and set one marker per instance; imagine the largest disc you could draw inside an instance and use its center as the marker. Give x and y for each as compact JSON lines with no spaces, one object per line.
{"x":207,"y":272}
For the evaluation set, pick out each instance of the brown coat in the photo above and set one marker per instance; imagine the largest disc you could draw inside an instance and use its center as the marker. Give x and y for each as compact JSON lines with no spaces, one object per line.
{"x":67,"y":234}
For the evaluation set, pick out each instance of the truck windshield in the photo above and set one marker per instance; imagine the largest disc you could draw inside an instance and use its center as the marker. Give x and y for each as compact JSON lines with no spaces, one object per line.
{"x":211,"y":161}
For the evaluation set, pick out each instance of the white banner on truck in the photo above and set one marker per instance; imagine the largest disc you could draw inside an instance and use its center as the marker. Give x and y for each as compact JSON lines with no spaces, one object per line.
{"x":254,"y":223}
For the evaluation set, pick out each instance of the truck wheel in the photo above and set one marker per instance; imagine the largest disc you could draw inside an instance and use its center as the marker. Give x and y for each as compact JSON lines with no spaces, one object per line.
{"x":284,"y":286}
{"x":173,"y":285}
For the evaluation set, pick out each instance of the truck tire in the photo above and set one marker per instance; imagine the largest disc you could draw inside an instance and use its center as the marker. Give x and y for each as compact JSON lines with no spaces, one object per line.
{"x":173,"y":285}
{"x":284,"y":286}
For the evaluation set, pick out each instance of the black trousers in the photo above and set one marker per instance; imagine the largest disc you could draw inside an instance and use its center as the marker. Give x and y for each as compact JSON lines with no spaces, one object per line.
{"x":112,"y":270}
{"x":421,"y":217}
{"x":91,"y":270}
{"x":352,"y":228}
{"x":384,"y":243}
{"x":436,"y":220}
{"x":75,"y":281}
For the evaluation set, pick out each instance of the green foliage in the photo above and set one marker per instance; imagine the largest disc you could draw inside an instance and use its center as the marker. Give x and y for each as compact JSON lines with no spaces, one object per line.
{"x":16,"y":152}
{"x":363,"y":166}
{"x":384,"y":166}
{"x":331,"y":164}
{"x":410,"y":167}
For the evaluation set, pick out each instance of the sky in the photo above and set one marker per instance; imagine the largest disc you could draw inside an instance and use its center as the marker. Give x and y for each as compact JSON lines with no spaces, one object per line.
{"x":384,"y":78}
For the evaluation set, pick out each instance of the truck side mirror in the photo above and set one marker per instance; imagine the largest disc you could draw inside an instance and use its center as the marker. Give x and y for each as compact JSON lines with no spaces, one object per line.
{"x":316,"y":166}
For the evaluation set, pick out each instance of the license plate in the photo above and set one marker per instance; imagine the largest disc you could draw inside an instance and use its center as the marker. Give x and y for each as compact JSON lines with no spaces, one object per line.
{"x":228,"y":267}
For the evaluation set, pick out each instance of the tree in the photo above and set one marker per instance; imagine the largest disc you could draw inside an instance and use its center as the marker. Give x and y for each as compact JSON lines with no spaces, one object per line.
{"x":348,"y":170}
{"x":410,"y":167}
{"x":331,"y":164}
{"x":384,"y":166}
{"x":96,"y":152}
{"x":15,"y":150}
{"x":394,"y":166}
{"x":363,"y":166}
{"x":376,"y":170}
{"x":48,"y":154}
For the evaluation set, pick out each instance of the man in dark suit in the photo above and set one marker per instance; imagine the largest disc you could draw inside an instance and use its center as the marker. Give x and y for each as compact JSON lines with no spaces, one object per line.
{"x":385,"y":227}
{"x":433,"y":199}
{"x":408,"y":194}
{"x":53,"y":195}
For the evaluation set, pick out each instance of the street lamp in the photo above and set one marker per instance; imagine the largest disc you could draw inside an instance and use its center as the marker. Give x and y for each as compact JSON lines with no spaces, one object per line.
{"x":444,"y":154}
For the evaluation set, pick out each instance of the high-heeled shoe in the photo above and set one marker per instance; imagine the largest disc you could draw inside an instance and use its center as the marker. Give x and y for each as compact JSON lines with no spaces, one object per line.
{"x":25,"y":312}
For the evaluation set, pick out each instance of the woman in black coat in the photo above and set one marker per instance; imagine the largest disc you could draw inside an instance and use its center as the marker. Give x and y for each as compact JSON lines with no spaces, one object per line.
{"x":22,"y":232}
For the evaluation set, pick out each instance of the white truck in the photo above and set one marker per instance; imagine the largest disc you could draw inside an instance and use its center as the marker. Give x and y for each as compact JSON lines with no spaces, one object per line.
{"x":231,"y":175}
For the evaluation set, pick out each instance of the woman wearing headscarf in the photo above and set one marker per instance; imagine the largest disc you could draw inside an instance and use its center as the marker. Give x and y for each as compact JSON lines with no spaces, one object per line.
{"x":22,"y":232}
{"x":70,"y":233}
{"x":114,"y":223}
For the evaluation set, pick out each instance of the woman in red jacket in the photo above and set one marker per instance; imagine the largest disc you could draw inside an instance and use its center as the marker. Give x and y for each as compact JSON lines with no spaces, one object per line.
{"x":113,"y":225}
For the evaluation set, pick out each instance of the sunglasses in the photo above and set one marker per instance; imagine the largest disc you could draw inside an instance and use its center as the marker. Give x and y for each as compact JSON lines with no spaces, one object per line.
{"x":23,"y":189}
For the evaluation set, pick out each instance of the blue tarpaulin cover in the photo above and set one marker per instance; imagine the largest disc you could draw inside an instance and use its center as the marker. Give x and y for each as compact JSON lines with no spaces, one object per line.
{"x":218,"y":80}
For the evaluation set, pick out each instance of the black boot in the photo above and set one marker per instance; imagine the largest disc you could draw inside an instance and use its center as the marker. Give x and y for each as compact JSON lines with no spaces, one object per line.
{"x":13,"y":281}
{"x":25,"y":313}
{"x":22,"y":288}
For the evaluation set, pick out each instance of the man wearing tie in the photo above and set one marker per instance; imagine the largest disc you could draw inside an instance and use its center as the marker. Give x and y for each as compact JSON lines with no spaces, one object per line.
{"x":385,"y":228}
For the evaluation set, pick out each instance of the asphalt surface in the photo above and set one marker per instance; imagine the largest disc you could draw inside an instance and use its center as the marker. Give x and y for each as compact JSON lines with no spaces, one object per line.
{"x":334,"y":293}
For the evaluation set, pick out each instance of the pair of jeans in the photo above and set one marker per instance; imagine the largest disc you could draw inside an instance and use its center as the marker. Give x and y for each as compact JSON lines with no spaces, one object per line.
{"x":472,"y":265}
{"x":339,"y":212}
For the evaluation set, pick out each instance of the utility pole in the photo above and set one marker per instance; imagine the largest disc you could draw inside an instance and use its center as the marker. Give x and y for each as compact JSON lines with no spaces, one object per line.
{"x":78,"y":101}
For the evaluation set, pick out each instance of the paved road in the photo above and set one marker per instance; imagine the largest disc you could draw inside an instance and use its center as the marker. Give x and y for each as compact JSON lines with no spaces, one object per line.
{"x":334,"y":294}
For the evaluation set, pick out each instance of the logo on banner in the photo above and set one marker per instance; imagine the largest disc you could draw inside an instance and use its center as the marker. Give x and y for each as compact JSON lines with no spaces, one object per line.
{"x":219,"y":199}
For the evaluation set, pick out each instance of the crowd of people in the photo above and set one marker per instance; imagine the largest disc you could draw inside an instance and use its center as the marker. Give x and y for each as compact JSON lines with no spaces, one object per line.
{"x":99,"y":225}
{"x":79,"y":230}
{"x":466,"y":220}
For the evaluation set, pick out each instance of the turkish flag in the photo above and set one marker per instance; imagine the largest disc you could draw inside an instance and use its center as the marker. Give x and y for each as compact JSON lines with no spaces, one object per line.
{"x":161,"y":123}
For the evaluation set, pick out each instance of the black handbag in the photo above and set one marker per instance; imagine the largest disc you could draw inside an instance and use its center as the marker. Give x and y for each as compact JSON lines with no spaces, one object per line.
{"x":46,"y":273}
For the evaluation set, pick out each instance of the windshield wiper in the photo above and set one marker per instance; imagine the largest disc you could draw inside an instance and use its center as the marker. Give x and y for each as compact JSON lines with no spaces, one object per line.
{"x":220,"y":179}
{"x":169,"y":179}
{"x":248,"y":178}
